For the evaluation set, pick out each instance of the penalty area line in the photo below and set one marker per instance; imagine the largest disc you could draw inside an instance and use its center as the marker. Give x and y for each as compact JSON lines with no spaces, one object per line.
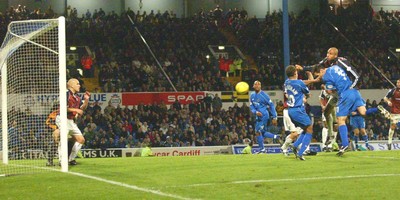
{"x":289,"y":180}
{"x":129,"y":186}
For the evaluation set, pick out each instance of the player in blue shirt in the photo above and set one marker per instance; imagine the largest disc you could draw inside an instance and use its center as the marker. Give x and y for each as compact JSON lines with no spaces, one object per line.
{"x":296,"y":90}
{"x":350,"y":100}
{"x":261,"y":106}
{"x":357,"y":123}
{"x":332,"y":58}
{"x":329,"y":110}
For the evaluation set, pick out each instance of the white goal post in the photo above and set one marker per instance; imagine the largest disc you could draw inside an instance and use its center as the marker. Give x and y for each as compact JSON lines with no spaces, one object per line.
{"x":33,"y":84}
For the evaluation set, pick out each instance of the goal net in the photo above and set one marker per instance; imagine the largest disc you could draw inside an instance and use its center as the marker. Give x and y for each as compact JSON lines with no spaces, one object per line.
{"x":32,"y":61}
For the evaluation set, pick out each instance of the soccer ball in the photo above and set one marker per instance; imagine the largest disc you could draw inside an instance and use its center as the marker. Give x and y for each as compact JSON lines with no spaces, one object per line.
{"x":242,"y":87}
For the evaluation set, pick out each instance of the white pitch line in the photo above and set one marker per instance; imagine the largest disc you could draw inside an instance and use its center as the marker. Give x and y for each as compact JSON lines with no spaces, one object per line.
{"x":157,"y":192}
{"x":315,"y":178}
{"x":382,"y":157}
{"x":129,"y":186}
{"x":289,"y":180}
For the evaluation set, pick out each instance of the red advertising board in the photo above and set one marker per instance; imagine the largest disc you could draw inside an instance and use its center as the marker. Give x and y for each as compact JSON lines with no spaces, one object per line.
{"x":131,"y":99}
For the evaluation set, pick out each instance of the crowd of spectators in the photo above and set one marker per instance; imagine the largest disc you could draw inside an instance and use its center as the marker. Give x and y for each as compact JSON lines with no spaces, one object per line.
{"x":126,"y":64}
{"x":311,"y":35}
{"x":195,"y":124}
{"x":180,"y":44}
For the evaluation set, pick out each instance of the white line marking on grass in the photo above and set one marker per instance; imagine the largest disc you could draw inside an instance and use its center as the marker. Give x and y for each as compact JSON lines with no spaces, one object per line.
{"x":382,"y":157}
{"x":114,"y":183}
{"x":128,"y":186}
{"x":289,"y":179}
{"x":315,"y":178}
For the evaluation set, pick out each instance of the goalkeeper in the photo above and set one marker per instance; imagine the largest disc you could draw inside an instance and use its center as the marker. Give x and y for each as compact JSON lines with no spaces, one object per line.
{"x":51,"y":122}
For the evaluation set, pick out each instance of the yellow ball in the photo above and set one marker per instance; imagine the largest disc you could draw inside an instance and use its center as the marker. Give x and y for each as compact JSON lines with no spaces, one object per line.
{"x":242,"y":87}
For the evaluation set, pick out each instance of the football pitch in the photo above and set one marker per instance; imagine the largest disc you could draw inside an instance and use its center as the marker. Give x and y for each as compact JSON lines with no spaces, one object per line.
{"x":356,"y":175}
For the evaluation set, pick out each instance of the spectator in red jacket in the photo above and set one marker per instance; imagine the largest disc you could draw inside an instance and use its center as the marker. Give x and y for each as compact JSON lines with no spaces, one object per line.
{"x":87,"y":63}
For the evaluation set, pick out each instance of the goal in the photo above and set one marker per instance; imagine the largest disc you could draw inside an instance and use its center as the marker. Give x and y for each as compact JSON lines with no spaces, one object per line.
{"x":33,"y":80}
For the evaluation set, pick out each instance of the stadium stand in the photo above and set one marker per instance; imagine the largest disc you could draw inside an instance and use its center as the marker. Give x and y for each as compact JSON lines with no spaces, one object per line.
{"x":123,"y":65}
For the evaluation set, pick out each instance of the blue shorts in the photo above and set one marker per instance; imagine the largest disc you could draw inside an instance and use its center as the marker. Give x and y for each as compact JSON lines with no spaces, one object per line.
{"x":261,"y":123}
{"x":299,"y":117}
{"x":349,"y":101}
{"x":357,"y":122}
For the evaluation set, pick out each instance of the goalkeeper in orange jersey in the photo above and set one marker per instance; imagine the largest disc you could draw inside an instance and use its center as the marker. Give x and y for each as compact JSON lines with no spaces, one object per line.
{"x":51,"y":122}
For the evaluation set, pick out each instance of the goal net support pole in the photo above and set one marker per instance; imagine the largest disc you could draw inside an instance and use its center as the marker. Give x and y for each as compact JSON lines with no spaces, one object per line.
{"x":4,"y":126}
{"x":63,"y":95}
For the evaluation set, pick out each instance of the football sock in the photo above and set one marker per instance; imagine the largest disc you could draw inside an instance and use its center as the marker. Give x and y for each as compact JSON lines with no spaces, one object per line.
{"x":288,"y":141}
{"x":343,"y":135}
{"x":299,"y":140}
{"x":305,"y":143}
{"x":390,"y":137}
{"x":324,"y":136}
{"x":365,"y":138}
{"x":260,"y":141}
{"x":334,"y":135}
{"x":77,"y":146}
{"x":355,"y":138}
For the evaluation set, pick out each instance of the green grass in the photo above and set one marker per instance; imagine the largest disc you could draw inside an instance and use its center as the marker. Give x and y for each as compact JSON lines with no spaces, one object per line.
{"x":357,"y":175}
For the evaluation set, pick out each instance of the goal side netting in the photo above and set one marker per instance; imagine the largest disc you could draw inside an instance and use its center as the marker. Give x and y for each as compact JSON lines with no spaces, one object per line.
{"x":32,"y":61}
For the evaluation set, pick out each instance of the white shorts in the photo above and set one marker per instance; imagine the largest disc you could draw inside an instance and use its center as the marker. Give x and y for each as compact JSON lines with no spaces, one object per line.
{"x":287,"y":122}
{"x":71,"y":126}
{"x":394,"y":118}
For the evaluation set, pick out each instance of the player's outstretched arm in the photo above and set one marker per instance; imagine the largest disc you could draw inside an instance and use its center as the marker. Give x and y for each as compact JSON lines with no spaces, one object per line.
{"x":86,"y":97}
{"x":311,"y":79}
{"x":75,"y":110}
